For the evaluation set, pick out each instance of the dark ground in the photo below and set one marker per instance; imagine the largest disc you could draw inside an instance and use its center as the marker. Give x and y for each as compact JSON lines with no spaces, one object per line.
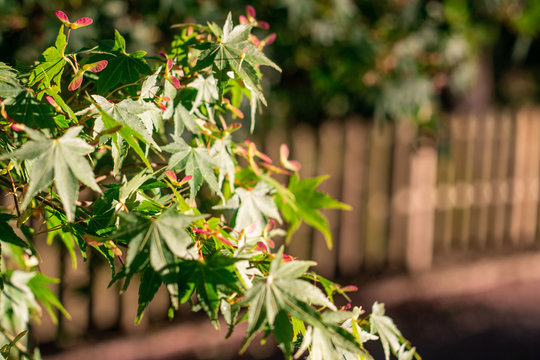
{"x":485,"y":310}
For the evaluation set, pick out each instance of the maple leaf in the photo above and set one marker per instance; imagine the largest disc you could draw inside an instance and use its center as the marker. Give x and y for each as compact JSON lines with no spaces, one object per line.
{"x":129,"y":115}
{"x":212,"y":280}
{"x":129,"y":112}
{"x":389,"y":334}
{"x":284,"y":291}
{"x":194,"y":161}
{"x":51,"y":65}
{"x":255,"y":206}
{"x":165,"y":236}
{"x":123,"y":68}
{"x":305,"y":205}
{"x":221,"y":153}
{"x":9,"y":85}
{"x":234,"y":52}
{"x":65,"y":158}
{"x":160,"y":241}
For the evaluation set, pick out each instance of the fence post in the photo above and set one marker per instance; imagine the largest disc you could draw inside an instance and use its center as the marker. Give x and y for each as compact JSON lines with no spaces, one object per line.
{"x":404,"y":135}
{"x":377,"y":197}
{"x":330,"y":161}
{"x":500,"y":179}
{"x":354,"y":173}
{"x":532,"y":167}
{"x":304,"y":150}
{"x":422,"y":209}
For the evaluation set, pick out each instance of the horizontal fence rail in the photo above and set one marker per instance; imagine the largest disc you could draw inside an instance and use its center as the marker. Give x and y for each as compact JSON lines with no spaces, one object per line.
{"x":471,"y":190}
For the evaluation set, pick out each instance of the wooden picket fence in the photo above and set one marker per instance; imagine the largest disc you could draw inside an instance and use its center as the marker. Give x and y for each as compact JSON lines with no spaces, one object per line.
{"x":471,"y":189}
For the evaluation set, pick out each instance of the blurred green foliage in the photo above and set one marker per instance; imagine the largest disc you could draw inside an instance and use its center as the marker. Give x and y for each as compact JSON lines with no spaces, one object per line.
{"x":385,"y":59}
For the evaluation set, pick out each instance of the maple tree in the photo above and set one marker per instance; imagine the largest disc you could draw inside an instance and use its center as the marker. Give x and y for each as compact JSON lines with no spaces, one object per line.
{"x":139,"y":122}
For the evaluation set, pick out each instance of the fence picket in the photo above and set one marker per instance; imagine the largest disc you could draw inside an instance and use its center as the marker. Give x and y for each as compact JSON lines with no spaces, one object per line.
{"x":377,"y":203}
{"x":354,"y":172}
{"x":304,"y":150}
{"x":330,"y":161}
{"x":422,"y":209}
{"x":403,"y":143}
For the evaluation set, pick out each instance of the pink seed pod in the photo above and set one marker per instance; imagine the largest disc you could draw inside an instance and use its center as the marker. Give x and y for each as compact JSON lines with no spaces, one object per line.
{"x":284,"y":159}
{"x":17,"y":127}
{"x":171,"y":175}
{"x":261,"y":247}
{"x":243,"y":20}
{"x":287,"y":258}
{"x":263,"y":24}
{"x":53,"y":103}
{"x":186,"y":179}
{"x":84,"y":21}
{"x":162,"y":106}
{"x":76,"y":82}
{"x":270,"y":39}
{"x":254,"y":40}
{"x":175,"y":82}
{"x":96,"y":67}
{"x":250,"y":10}
{"x":62,"y":17}
{"x":223,"y":240}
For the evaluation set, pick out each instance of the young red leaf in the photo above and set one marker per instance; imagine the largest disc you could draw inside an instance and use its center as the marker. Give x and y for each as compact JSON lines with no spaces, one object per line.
{"x":169,"y":64}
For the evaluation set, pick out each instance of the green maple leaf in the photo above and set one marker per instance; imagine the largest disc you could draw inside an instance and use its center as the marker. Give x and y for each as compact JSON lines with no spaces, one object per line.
{"x":127,"y":115}
{"x":165,"y":236}
{"x":212,"y":280}
{"x":26,"y":109}
{"x":51,"y":66}
{"x":129,"y":112}
{"x":305,"y":206}
{"x":256,"y":206}
{"x":9,"y":85}
{"x":283,"y":290}
{"x":7,"y":234}
{"x":222,"y":154}
{"x":388,"y":332}
{"x":150,"y":284}
{"x":160,"y":241}
{"x":234,"y":52}
{"x":194,"y":161}
{"x":123,"y":68}
{"x":65,"y":158}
